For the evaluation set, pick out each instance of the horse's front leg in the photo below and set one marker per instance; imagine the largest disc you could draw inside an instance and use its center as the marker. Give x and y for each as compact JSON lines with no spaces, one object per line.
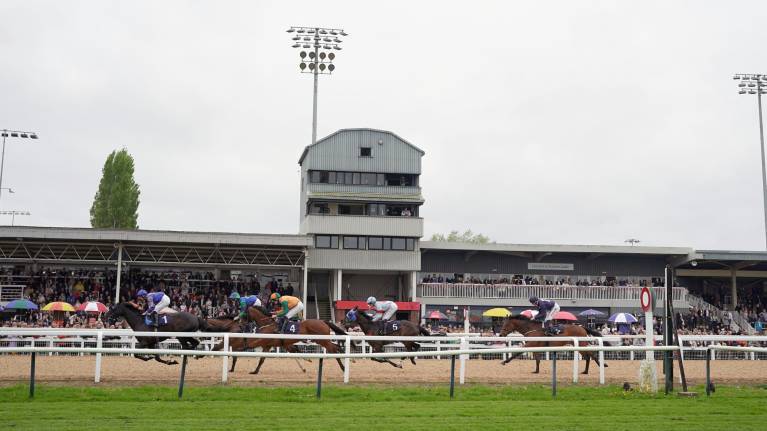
{"x":588,"y":360}
{"x":163,"y":361}
{"x":537,"y":363}
{"x":258,"y":367}
{"x":506,"y":361}
{"x":143,"y":357}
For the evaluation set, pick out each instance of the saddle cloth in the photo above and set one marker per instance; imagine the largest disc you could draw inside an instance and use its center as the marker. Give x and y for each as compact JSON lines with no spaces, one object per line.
{"x":291,"y":327}
{"x":162,"y":320}
{"x":391,"y":326}
{"x":555,"y":329}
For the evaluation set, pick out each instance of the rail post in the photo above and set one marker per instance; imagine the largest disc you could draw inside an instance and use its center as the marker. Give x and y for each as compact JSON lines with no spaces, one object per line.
{"x":452,"y":376}
{"x":99,"y":344}
{"x":32,"y":376}
{"x":554,"y":374}
{"x":576,"y":357}
{"x":708,"y":372}
{"x":347,"y":362}
{"x":182,"y":377}
{"x":319,"y":379}
{"x":225,"y":361}
{"x":462,"y":366}
{"x":601,"y":361}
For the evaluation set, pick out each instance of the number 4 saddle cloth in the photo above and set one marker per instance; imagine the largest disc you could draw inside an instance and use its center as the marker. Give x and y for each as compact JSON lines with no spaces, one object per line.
{"x":291,"y":327}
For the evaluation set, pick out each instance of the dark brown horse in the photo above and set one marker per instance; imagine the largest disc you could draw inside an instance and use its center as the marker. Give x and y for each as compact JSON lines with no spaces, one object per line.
{"x":237,"y":344}
{"x":405,"y":329}
{"x":265,"y":324}
{"x":531,"y":328}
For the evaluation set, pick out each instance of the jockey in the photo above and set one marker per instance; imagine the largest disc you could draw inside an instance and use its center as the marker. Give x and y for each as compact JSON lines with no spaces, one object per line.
{"x":245,"y":302}
{"x":385,"y":310}
{"x":156,"y":302}
{"x":546,"y":308}
{"x":290,"y":307}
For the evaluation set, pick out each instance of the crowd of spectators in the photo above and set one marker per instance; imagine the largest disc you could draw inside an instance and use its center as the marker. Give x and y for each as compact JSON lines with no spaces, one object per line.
{"x":199,"y":293}
{"x":529,"y":280}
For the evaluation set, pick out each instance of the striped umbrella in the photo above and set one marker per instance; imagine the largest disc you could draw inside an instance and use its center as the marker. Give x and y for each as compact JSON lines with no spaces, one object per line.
{"x":92,"y":307}
{"x":591,"y":313}
{"x":21,"y":304}
{"x":622,"y":318}
{"x":59,"y":306}
{"x":529,"y":313}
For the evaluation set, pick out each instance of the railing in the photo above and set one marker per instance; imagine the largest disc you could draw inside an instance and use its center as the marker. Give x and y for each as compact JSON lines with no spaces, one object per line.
{"x":557,"y":292}
{"x":737,"y":319}
{"x":11,"y":292}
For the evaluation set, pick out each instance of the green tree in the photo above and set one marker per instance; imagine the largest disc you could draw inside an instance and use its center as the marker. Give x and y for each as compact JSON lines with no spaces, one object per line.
{"x":116,"y":202}
{"x":467,"y":236}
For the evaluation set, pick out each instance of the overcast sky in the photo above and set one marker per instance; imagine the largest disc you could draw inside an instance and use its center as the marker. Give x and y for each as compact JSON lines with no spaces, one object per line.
{"x":543,"y":122}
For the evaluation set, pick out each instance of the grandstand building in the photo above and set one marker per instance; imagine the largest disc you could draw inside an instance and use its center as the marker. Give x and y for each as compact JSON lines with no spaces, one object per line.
{"x":360,"y":230}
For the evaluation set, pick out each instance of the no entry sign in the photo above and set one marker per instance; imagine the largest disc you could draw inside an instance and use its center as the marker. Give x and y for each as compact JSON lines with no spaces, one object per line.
{"x":646,"y":299}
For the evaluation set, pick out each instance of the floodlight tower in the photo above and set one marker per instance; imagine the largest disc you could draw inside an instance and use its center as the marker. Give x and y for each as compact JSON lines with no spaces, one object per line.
{"x":750,"y":83}
{"x":5,"y":133}
{"x":316,"y":61}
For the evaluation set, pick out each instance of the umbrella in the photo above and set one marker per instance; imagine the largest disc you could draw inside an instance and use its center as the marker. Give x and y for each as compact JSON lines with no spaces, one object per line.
{"x":436,"y":315}
{"x":591,"y":313}
{"x":565,"y":315}
{"x":21,"y":304}
{"x":622,"y":318}
{"x":58,"y":306}
{"x":529,"y":313}
{"x":497,"y":312}
{"x":92,"y":307}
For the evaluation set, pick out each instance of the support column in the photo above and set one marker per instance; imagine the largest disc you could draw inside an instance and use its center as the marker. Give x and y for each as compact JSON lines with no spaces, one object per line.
{"x":119,"y":271}
{"x":305,"y":285}
{"x":413,"y":286}
{"x":338,"y":285}
{"x":734,"y":286}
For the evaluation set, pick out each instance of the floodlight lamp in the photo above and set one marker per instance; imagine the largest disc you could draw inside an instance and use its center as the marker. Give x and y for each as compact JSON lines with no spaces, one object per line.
{"x":333,"y":32}
{"x":742,"y":84}
{"x":742,"y":92}
{"x":331,"y":56}
{"x":312,"y":55}
{"x":326,"y":46}
{"x":343,"y":33}
{"x":337,"y":47}
{"x":307,"y":46}
{"x":310,"y":31}
{"x":322,"y":66}
{"x":751,"y":91}
{"x":14,"y":135}
{"x":311,"y":66}
{"x":302,"y":66}
{"x":24,"y":135}
{"x":33,"y":136}
{"x":736,"y":77}
{"x":331,"y":67}
{"x":302,"y":54}
{"x":4,"y":135}
{"x":322,"y":56}
{"x":327,"y":39}
{"x":297,"y":45}
{"x":291,"y":30}
{"x":296,"y":38}
{"x":300,"y":31}
{"x":337,"y":40}
{"x":307,"y":38}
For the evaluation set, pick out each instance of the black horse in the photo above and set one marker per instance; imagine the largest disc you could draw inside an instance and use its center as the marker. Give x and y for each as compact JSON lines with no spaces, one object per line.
{"x":177,"y":322}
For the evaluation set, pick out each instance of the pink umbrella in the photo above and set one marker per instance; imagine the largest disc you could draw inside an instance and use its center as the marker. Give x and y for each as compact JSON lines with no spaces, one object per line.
{"x":565,"y":315}
{"x":436,"y":315}
{"x":529,"y":313}
{"x":92,"y":307}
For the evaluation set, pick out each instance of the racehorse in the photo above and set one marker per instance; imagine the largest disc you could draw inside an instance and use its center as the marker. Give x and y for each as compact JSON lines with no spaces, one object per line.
{"x":265,"y":324}
{"x":177,"y":322}
{"x":531,"y":328}
{"x":404,"y":328}
{"x":237,"y":344}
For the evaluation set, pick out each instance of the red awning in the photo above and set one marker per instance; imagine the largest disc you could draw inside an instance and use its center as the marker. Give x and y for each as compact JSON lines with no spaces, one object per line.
{"x":401,"y":306}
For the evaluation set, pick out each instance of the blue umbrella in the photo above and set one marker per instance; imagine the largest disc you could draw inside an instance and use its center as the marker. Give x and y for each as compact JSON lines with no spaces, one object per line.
{"x":622,"y":318}
{"x":591,"y":313}
{"x":21,"y":304}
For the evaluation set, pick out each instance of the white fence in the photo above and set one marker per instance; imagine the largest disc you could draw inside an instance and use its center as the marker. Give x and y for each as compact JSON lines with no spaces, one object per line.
{"x":557,"y":292}
{"x":467,"y":346}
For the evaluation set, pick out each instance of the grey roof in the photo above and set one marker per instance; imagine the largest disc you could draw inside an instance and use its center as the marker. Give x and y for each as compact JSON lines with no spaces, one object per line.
{"x":306,"y":150}
{"x":124,"y":235}
{"x":554,"y":248}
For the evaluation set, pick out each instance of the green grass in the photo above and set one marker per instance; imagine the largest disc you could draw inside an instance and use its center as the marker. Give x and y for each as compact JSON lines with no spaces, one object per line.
{"x":379,"y":408}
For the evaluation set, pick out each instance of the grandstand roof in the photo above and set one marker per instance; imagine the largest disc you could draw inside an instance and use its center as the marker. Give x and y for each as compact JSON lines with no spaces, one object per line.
{"x":306,"y":149}
{"x":555,"y":248}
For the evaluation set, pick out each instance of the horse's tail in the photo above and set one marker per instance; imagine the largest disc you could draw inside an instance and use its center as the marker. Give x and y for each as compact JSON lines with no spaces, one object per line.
{"x":595,"y":333}
{"x":337,"y":329}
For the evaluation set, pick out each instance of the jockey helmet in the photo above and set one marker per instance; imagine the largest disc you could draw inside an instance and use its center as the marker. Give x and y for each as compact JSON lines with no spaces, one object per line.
{"x":371,"y":300}
{"x":533,"y":299}
{"x":141,"y":293}
{"x":275,"y":295}
{"x":234,"y":295}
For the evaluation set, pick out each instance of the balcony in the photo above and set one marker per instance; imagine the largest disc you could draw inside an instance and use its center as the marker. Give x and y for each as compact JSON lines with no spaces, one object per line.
{"x":604,"y":296}
{"x":411,"y":227}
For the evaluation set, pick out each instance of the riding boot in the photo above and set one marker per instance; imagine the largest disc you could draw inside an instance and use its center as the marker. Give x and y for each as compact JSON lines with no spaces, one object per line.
{"x":153,"y":319}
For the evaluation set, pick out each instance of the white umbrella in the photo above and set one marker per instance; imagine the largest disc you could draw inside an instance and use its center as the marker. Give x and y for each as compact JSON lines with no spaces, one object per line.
{"x":622,"y":318}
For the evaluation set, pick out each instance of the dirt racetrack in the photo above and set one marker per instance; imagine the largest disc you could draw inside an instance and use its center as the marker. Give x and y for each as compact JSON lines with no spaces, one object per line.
{"x":207,"y":371}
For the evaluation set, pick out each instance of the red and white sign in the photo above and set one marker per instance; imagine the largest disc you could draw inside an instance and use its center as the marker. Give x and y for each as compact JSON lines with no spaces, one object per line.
{"x":645,"y":299}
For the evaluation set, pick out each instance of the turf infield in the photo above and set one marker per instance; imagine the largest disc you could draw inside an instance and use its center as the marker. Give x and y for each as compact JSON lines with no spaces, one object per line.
{"x":384,"y":408}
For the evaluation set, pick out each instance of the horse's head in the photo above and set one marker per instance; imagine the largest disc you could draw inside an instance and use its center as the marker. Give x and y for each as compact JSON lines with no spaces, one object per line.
{"x":512,"y":324}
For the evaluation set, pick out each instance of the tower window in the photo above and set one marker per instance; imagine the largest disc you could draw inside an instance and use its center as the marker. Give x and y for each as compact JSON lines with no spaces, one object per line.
{"x":365,"y":152}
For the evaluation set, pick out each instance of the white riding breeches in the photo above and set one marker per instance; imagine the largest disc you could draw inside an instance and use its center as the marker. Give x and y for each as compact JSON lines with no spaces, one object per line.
{"x":390,"y":313}
{"x":551,"y":313}
{"x":162,"y":305}
{"x":293,"y":312}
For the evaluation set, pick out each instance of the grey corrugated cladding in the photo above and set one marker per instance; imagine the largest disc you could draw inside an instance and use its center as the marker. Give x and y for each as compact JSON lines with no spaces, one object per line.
{"x":340,"y":151}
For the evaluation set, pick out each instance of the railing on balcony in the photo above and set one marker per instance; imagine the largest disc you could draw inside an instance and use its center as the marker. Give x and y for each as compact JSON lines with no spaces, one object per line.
{"x":559,"y":292}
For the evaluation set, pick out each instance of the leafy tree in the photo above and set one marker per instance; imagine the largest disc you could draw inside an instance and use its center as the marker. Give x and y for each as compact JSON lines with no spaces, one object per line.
{"x":116,"y":202}
{"x":467,"y":236}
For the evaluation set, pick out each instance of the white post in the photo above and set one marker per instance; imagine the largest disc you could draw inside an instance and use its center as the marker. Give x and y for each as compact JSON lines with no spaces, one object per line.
{"x":347,"y":350}
{"x":601,"y":362}
{"x":50,"y":344}
{"x":462,"y":360}
{"x":413,"y":286}
{"x":576,"y":362}
{"x":119,"y":272}
{"x":99,"y":344}
{"x":305,"y":286}
{"x":225,"y":362}
{"x":466,"y":325}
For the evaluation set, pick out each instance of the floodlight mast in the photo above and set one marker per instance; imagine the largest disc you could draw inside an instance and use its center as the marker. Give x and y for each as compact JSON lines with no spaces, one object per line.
{"x":757,"y":84}
{"x":320,"y":62}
